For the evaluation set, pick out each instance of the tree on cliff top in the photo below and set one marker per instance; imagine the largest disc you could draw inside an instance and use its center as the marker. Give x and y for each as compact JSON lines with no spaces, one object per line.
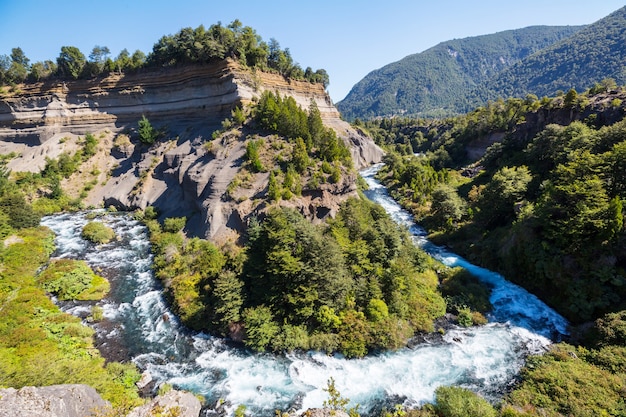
{"x":188,"y":46}
{"x":71,"y":61}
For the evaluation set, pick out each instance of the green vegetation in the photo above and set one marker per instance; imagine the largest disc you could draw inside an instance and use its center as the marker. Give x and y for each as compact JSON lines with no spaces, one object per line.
{"x":282,"y":115}
{"x":292,"y":145}
{"x":73,"y":280}
{"x":566,"y":381}
{"x":440,"y":80}
{"x":188,"y":46}
{"x":97,"y":232}
{"x":147,"y":133}
{"x":544,"y":207}
{"x":460,"y":402}
{"x":39,"y":344}
{"x":44,"y":190}
{"x":355,"y":285}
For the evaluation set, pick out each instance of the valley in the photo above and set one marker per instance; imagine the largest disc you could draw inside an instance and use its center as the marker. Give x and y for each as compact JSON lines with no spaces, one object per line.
{"x":200,"y":231}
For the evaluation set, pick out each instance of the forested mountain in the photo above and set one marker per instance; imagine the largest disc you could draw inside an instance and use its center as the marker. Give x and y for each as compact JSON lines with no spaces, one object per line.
{"x":592,"y":54}
{"x":438,"y":80}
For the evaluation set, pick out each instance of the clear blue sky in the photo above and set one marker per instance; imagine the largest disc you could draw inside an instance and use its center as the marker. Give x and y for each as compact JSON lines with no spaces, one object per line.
{"x":346,"y":38}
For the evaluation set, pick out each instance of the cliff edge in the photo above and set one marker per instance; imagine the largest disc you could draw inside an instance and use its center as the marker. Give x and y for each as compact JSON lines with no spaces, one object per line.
{"x":188,"y":173}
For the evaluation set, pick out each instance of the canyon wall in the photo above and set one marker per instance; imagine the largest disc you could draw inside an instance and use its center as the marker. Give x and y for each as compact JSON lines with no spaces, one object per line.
{"x":183,"y":174}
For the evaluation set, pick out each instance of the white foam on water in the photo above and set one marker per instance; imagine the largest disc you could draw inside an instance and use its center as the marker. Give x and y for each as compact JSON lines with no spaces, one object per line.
{"x":511,"y":303}
{"x":483,"y":359}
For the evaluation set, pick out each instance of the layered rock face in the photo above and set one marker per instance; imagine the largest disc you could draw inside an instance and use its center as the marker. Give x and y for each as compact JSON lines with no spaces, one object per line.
{"x":181,"y":176}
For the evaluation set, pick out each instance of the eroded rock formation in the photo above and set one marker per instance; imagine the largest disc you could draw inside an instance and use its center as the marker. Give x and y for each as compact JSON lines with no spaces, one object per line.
{"x":182,"y":176}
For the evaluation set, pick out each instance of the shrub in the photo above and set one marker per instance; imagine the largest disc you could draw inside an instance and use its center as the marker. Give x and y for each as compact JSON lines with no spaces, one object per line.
{"x":21,"y":214}
{"x":174,"y":224}
{"x":260,"y":328}
{"x":97,"y":314}
{"x":73,"y":280}
{"x":97,"y":232}
{"x":147,"y":133}
{"x":150,"y":213}
{"x":561,"y":383}
{"x":460,"y":402}
{"x":465,"y":317}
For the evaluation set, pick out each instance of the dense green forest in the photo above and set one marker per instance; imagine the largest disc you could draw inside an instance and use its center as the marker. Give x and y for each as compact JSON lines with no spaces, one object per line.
{"x":438,"y":80}
{"x":456,"y":76}
{"x":593,"y":53}
{"x":188,"y":46}
{"x":354,"y":285}
{"x":543,"y":206}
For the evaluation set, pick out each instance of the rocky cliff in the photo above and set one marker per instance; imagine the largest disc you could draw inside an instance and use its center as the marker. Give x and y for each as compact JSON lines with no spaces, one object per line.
{"x":185,"y":174}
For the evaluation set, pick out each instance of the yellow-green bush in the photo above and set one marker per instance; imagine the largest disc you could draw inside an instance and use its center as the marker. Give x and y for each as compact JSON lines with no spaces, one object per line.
{"x":73,"y":280}
{"x":97,"y":232}
{"x":39,"y":344}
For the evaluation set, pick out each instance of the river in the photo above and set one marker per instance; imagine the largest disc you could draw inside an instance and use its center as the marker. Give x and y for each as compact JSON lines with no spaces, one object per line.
{"x":138,"y":325}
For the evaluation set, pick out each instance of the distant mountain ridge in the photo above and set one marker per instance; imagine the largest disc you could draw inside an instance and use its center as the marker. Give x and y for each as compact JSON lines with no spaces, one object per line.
{"x":440,"y":79}
{"x":592,"y":54}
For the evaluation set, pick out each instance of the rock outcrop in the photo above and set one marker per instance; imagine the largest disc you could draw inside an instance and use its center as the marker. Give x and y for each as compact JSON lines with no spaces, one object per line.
{"x":182,"y":176}
{"x":83,"y":401}
{"x":172,"y":403}
{"x":52,"y":401}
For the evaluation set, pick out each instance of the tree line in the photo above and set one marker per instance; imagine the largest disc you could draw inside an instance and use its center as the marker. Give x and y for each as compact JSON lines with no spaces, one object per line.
{"x":188,"y":46}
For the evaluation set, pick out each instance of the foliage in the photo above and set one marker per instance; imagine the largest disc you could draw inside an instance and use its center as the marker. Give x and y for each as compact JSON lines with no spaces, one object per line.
{"x":39,"y":344}
{"x":71,"y":62}
{"x":174,"y":224}
{"x":447,"y":207}
{"x":460,"y":402}
{"x":354,"y":285}
{"x":282,"y":115}
{"x":463,"y":291}
{"x":20,"y":214}
{"x":612,"y":328}
{"x":261,"y":328}
{"x":561,"y":383}
{"x":335,"y":400}
{"x":544,"y":206}
{"x":73,"y":280}
{"x":188,"y":46}
{"x":497,"y":201}
{"x":147,"y":133}
{"x":97,"y":232}
{"x":252,"y":155}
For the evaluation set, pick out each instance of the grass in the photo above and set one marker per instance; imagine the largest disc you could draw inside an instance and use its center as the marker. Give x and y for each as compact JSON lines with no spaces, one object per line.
{"x":39,"y":344}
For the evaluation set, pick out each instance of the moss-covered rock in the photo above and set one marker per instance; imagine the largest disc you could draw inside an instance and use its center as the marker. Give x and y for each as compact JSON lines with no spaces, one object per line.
{"x":97,"y":232}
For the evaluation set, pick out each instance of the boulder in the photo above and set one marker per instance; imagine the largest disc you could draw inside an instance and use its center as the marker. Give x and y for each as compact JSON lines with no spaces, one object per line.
{"x":179,"y":403}
{"x":52,"y":401}
{"x":323,"y":412}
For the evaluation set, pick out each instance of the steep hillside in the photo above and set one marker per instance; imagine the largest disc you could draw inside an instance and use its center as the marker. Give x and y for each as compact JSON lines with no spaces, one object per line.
{"x":532,"y":189}
{"x":189,"y":170}
{"x":592,"y":54}
{"x":438,"y":79}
